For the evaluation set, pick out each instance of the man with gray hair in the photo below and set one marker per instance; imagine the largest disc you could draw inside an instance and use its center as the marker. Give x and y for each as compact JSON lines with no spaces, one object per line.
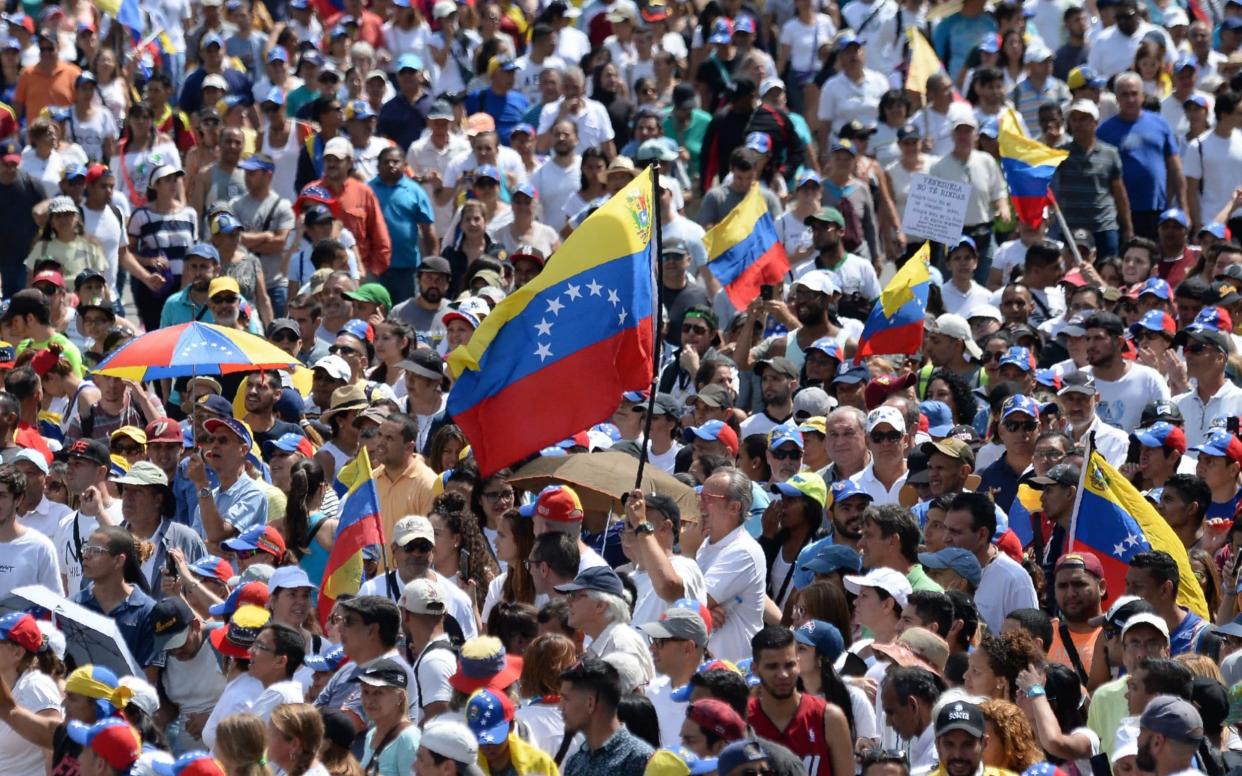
{"x":1150,"y":166}
{"x":846,"y":441}
{"x":597,"y":607}
{"x":733,"y":565}
{"x":1170,"y":732}
{"x":589,"y":116}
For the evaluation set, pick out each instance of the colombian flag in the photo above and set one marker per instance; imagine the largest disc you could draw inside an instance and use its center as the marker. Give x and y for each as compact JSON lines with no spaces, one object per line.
{"x":895,"y":324}
{"x":1028,"y":166}
{"x":359,"y":527}
{"x":553,"y":357}
{"x":1114,"y":521}
{"x":743,"y":251}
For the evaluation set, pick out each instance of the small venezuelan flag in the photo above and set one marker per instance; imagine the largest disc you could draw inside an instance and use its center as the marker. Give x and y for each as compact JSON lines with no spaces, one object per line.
{"x":360,"y":527}
{"x":1028,"y":166}
{"x":1114,"y":521}
{"x":895,"y":324}
{"x":743,"y":251}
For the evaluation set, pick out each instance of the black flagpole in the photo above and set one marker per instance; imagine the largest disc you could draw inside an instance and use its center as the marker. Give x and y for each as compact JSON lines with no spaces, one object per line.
{"x":657,"y":333}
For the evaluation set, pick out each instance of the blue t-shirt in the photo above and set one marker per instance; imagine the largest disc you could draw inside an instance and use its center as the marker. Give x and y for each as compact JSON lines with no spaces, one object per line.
{"x":1144,"y":145}
{"x":507,"y":109}
{"x":956,"y":36}
{"x":1224,"y":508}
{"x":405,"y":206}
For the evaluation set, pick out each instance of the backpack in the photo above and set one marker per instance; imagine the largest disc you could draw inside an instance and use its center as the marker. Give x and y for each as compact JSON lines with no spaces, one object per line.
{"x":852,"y":235}
{"x":432,"y":647}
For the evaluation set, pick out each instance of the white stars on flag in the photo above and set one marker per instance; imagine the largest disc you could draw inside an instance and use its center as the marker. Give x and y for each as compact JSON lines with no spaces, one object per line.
{"x":570,"y":300}
{"x":555,"y":306}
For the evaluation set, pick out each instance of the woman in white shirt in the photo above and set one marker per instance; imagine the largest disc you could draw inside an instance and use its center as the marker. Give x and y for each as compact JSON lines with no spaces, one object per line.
{"x":802,"y":38}
{"x":21,"y":643}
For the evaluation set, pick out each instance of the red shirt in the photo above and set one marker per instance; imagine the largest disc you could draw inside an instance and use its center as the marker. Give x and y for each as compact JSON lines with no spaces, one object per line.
{"x":370,"y":27}
{"x":804,"y":735}
{"x":360,"y":213}
{"x":1173,"y":271}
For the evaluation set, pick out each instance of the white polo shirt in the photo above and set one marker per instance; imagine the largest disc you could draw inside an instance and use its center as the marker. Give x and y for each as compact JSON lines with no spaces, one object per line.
{"x":1225,"y":403}
{"x":871,"y":485}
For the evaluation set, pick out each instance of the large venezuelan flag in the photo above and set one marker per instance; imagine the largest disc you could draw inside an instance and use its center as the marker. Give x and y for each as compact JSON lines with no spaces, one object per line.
{"x":743,"y":251}
{"x":895,"y":324}
{"x":1028,"y":165}
{"x":1114,"y":521}
{"x":555,"y":356}
{"x":360,"y":527}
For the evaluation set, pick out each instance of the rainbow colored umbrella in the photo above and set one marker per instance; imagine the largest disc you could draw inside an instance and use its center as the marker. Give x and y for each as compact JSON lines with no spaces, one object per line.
{"x":190,"y":349}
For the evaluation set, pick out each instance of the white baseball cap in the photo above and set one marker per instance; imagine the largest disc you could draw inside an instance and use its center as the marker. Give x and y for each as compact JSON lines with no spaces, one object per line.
{"x":144,"y":695}
{"x":335,"y":366}
{"x":339,"y":147}
{"x":1146,"y":618}
{"x":955,"y":326}
{"x":1085,"y":106}
{"x":34,"y":457}
{"x":820,"y":281}
{"x":890,"y":581}
{"x":289,"y":578}
{"x":422,"y":596}
{"x":1126,"y":742}
{"x":413,"y":527}
{"x":451,"y":739}
{"x":886,"y":414}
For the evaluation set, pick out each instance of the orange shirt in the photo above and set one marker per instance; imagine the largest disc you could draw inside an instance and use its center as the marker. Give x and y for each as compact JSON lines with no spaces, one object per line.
{"x":408,"y":493}
{"x":36,"y":89}
{"x":1083,"y":642}
{"x":360,"y":213}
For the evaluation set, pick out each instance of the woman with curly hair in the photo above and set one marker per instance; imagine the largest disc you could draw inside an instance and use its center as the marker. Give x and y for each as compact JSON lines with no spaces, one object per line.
{"x":949,"y":387}
{"x":993,"y":668}
{"x":461,"y":553}
{"x":1010,"y":741}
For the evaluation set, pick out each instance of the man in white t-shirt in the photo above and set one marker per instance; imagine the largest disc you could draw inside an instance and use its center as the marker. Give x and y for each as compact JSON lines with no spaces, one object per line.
{"x":560,"y":177}
{"x":734,"y":568}
{"x":433,"y":658}
{"x":677,"y":641}
{"x":26,"y":556}
{"x":103,"y":217}
{"x":540,"y":54}
{"x":1125,"y":387}
{"x":970,"y":524}
{"x":660,"y":576}
{"x":589,"y":116}
{"x":1213,"y":163}
{"x":275,"y":656}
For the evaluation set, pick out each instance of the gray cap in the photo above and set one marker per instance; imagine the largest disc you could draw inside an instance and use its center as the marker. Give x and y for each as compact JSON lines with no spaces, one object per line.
{"x":666,"y":404}
{"x":1078,"y":382}
{"x":714,"y":395}
{"x":781,"y":364}
{"x":1173,"y":718}
{"x":674,"y":246}
{"x":678,"y":624}
{"x":812,"y":402}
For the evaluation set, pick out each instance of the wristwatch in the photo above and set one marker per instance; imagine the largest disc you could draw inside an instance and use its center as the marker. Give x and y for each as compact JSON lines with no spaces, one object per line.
{"x":644,"y":527}
{"x":204,"y":492}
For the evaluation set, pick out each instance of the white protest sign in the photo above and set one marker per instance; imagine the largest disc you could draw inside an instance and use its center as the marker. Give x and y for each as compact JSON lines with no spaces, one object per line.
{"x":935,"y":208}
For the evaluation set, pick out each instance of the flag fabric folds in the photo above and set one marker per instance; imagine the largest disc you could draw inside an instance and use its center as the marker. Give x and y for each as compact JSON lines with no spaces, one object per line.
{"x":1026,"y":503}
{"x":1028,"y":166}
{"x":359,"y":527}
{"x":1113,"y":520}
{"x":744,"y":252}
{"x":521,"y":381}
{"x":895,"y":324}
{"x":127,"y":12}
{"x":923,"y":62}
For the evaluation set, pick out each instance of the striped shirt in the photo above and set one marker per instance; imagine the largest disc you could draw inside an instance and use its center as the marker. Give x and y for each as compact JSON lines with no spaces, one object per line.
{"x":170,"y":234}
{"x":1083,"y":186}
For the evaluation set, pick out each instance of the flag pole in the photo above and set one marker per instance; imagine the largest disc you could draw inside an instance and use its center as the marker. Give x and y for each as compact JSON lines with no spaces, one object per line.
{"x":657,"y":335}
{"x":1065,"y":230}
{"x":1082,"y":485}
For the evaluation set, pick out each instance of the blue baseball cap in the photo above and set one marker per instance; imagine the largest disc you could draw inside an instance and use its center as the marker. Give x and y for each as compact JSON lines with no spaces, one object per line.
{"x":1018,"y":403}
{"x":524,"y":128}
{"x":275,"y":96}
{"x":1158,"y":287}
{"x":253,"y":163}
{"x":1222,"y":444}
{"x":962,"y":562}
{"x":968,"y":241}
{"x":854,"y":373}
{"x":843,"y":489}
{"x":990,"y":128}
{"x":828,"y":346}
{"x":1196,"y":99}
{"x":525,"y":189}
{"x":489,"y":715}
{"x":600,"y":579}
{"x":211,"y":425}
{"x":834,"y":559}
{"x":409,"y":62}
{"x":327,"y":661}
{"x":713,"y":431}
{"x":185,"y":765}
{"x":939,"y":417}
{"x":722,"y":31}
{"x":73,"y":172}
{"x":846,"y":39}
{"x":1176,"y":214}
{"x":1161,"y":434}
{"x":759,"y":141}
{"x":990,"y":43}
{"x":356,"y":327}
{"x":1157,"y":321}
{"x":785,"y":432}
{"x":1216,"y":229}
{"x":487,"y":171}
{"x":1185,"y":61}
{"x":1018,"y":356}
{"x":226,"y":223}
{"x":278,"y":54}
{"x":824,"y":637}
{"x":211,"y":39}
{"x":204,"y":251}
{"x":360,"y":110}
{"x":808,"y":176}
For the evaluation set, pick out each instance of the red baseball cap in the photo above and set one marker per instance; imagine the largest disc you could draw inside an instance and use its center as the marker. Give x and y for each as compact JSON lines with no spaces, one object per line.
{"x":1080,"y":559}
{"x":717,"y":717}
{"x":559,"y":504}
{"x":21,"y":629}
{"x":883,"y":386}
{"x":114,"y":740}
{"x":49,"y":276}
{"x":164,"y":430}
{"x":95,"y":172}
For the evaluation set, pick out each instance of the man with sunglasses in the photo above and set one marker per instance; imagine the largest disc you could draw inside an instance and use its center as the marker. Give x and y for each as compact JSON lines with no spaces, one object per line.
{"x":1079,"y":399}
{"x":49,"y":81}
{"x":699,"y":334}
{"x":1213,"y":395}
{"x":413,"y":541}
{"x":224,"y":300}
{"x":1017,"y":429}
{"x":884,"y":477}
{"x":238,"y":502}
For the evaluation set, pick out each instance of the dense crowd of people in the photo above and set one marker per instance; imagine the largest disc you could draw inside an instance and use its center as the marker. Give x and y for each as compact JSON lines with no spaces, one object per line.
{"x":859,"y":565}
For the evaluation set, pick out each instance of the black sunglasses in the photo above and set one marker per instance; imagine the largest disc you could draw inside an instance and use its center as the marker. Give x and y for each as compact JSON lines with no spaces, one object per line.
{"x":344,"y":350}
{"x":419,"y":546}
{"x":786,"y":455}
{"x":1014,"y":426}
{"x":880,"y":437}
{"x":225,"y":299}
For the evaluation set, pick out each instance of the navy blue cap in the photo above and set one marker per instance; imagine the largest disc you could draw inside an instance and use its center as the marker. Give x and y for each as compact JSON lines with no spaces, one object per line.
{"x":823,"y":636}
{"x":600,"y":579}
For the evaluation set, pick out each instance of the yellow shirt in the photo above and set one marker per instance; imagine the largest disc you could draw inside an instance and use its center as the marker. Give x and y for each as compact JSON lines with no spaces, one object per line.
{"x":408,"y":493}
{"x":527,"y":760}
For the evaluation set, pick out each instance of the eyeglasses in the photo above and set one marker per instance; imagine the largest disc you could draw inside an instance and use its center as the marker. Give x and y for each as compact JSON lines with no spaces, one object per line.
{"x":94,"y":549}
{"x":285,"y":336}
{"x":1014,"y":426}
{"x":421,"y":546}
{"x":891,"y":437}
{"x":1197,"y":347}
{"x":260,"y":647}
{"x":344,"y":350}
{"x":245,"y":554}
{"x":704,"y":495}
{"x":786,"y":455}
{"x":499,"y":495}
{"x":130,"y":449}
{"x":225,"y":299}
{"x":694,"y":329}
{"x":531,"y":564}
{"x":1050,"y":455}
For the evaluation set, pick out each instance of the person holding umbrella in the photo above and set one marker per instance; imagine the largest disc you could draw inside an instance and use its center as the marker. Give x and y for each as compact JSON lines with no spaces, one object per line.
{"x":110,"y":560}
